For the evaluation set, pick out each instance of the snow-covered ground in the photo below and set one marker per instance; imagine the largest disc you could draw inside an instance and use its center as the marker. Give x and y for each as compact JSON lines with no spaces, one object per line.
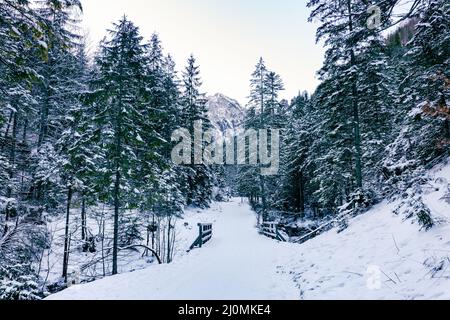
{"x":380,"y":256}
{"x":237,"y":263}
{"x":51,"y":267}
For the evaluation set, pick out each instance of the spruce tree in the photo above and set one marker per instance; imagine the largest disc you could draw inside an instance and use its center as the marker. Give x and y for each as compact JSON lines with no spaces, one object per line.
{"x":199,"y":176}
{"x":119,"y":87}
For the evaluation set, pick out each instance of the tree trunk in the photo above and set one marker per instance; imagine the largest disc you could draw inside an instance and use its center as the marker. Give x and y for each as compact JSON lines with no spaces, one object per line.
{"x":355,"y":107}
{"x":116,"y":221}
{"x":153,"y":232}
{"x":117,"y":190}
{"x":11,"y":116}
{"x":302,"y":194}
{"x":12,"y":158}
{"x":147,"y":243}
{"x":43,"y":120}
{"x":103,"y":246}
{"x":263,"y":182}
{"x":163,"y":242}
{"x":168,"y":242}
{"x":83,"y":219}
{"x":117,"y":163}
{"x":263,"y":198}
{"x":66,"y":238}
{"x":25,"y":131}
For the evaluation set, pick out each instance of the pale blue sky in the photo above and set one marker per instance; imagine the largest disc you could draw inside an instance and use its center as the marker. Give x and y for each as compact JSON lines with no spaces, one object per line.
{"x":226,"y":36}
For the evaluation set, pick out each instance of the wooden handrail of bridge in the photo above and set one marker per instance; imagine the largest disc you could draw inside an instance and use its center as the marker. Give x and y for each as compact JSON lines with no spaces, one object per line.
{"x":317,"y":231}
{"x":271,"y":230}
{"x":205,"y":232}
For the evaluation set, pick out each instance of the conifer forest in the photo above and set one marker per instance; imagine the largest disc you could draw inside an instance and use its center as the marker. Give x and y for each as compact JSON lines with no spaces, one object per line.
{"x":112,"y":153}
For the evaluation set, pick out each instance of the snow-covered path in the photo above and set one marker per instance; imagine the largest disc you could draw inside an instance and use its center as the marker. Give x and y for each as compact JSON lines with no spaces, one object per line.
{"x":237,"y":263}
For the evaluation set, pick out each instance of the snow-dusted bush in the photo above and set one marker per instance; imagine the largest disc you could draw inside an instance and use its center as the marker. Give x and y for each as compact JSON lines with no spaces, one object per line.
{"x":19,"y":282}
{"x":358,"y":202}
{"x":438,"y":266}
{"x":130,"y":231}
{"x":21,"y":247}
{"x":8,"y":207}
{"x":414,"y":208}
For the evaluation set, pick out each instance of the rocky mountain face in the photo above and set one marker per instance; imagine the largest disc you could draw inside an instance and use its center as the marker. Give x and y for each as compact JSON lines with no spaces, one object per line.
{"x":226,"y":114}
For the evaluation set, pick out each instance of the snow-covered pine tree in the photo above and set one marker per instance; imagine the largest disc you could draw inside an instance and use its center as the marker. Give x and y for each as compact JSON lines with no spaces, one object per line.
{"x":426,"y":90}
{"x":200,"y":177}
{"x":21,"y":26}
{"x":423,"y":129}
{"x":259,"y":95}
{"x":332,"y":149}
{"x":118,"y":87}
{"x":275,"y":112}
{"x":29,"y":36}
{"x":162,"y":196}
{"x":377,"y":91}
{"x":297,"y":160}
{"x":264,"y":111}
{"x":353,"y":50}
{"x":274,"y":85}
{"x":56,"y":93}
{"x":248,"y":175}
{"x":79,"y":151}
{"x":152,"y":155}
{"x":21,"y":45}
{"x":423,"y":93}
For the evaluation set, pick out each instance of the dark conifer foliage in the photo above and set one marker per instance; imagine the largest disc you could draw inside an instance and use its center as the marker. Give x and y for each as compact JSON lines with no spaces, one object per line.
{"x":79,"y":130}
{"x":378,"y":117}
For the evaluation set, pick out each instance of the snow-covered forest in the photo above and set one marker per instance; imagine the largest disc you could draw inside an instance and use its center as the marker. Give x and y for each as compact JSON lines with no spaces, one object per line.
{"x":89,"y":188}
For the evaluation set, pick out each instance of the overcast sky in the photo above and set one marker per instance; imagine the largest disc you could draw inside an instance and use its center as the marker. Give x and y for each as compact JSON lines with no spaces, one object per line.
{"x":226,"y":36}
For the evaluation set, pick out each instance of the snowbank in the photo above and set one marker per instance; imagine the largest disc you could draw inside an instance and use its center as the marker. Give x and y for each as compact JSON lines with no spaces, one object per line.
{"x":381,"y":256}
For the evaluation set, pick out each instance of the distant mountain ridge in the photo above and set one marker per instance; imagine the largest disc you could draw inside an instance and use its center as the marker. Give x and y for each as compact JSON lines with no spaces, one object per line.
{"x":226,"y":114}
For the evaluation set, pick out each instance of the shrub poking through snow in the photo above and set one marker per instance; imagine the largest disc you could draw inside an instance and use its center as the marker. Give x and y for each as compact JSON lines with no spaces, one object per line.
{"x":358,"y":202}
{"x":438,"y":266}
{"x":415,"y":209}
{"x":447,"y":196}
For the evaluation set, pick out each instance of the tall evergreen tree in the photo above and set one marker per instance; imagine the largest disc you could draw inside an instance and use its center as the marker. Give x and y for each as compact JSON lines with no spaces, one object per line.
{"x":353,"y":48}
{"x":264,"y":112}
{"x":119,"y":87}
{"x":200,"y":177}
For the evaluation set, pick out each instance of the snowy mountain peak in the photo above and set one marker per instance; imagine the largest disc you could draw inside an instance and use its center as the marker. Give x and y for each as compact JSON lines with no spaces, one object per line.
{"x":225,"y":113}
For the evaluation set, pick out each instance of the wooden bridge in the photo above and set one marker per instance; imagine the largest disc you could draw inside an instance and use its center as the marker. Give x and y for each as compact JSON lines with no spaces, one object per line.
{"x":271,"y":230}
{"x":205,"y":232}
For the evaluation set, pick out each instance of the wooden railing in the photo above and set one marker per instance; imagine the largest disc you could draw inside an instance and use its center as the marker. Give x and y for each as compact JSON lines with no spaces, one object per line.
{"x":323,"y":228}
{"x":205,"y":232}
{"x":271,"y":230}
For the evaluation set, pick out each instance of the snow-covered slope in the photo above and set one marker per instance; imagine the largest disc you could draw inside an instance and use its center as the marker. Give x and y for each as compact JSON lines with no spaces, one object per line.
{"x":225,"y":113}
{"x":380,"y":256}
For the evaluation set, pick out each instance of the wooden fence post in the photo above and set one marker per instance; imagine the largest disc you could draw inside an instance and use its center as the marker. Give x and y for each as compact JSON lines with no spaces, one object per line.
{"x":204,"y":235}
{"x":200,"y":226}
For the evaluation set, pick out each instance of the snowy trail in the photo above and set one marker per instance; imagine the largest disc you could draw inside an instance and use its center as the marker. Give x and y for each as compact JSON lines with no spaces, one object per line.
{"x":237,"y":264}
